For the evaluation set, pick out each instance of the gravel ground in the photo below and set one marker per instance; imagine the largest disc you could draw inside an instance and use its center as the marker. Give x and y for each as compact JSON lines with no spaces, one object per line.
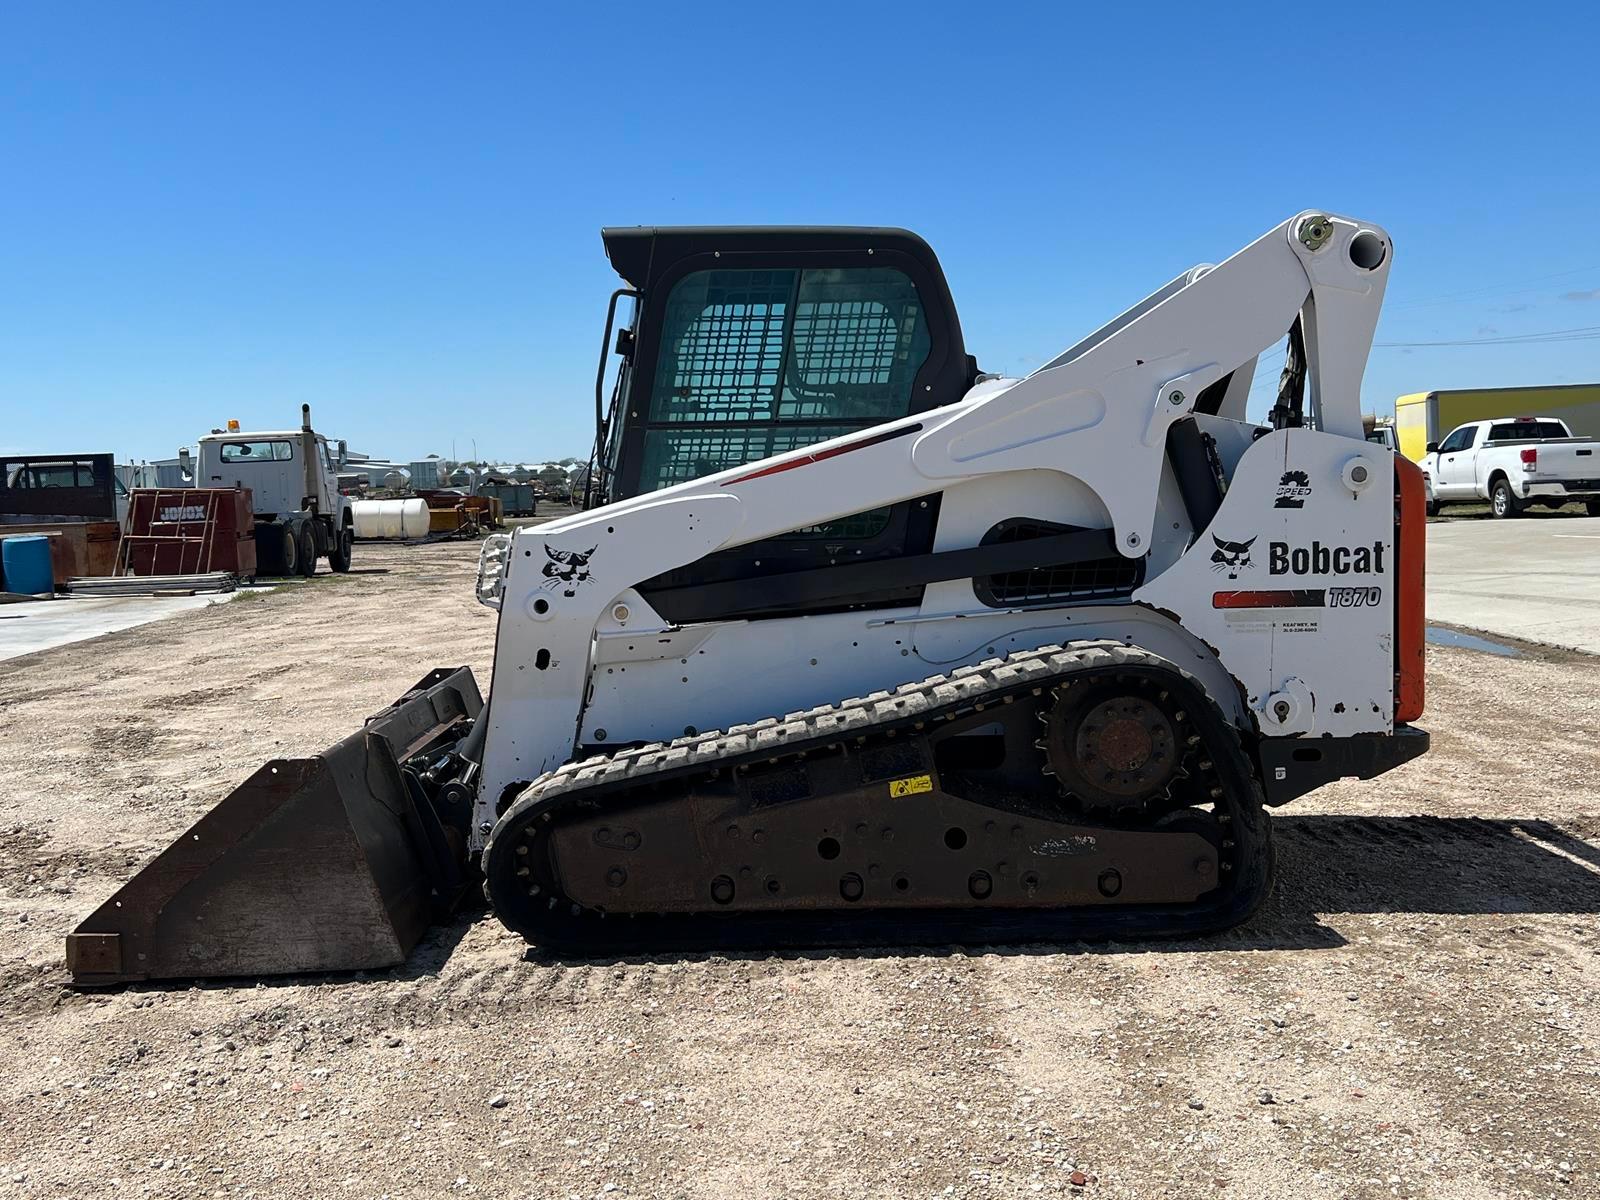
{"x":1413,"y":1014}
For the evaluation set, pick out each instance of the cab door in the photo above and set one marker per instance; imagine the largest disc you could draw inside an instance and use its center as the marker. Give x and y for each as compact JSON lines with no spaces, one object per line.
{"x":1454,"y":479}
{"x":327,"y":478}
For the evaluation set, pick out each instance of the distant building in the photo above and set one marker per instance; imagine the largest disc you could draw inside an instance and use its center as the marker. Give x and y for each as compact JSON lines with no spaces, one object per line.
{"x":162,"y":473}
{"x":424,"y":472}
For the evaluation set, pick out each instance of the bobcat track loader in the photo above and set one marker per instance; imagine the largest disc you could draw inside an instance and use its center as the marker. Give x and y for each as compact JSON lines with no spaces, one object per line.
{"x":863,"y":646}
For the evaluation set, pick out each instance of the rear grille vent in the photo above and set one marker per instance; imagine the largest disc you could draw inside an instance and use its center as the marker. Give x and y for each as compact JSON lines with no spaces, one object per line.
{"x":1099,"y":579}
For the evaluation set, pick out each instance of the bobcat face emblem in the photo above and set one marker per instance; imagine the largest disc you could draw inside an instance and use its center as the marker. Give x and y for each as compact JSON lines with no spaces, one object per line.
{"x":567,"y":569}
{"x":1231,"y":557}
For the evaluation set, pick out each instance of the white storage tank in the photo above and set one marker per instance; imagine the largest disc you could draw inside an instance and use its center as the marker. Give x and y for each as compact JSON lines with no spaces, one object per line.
{"x":390,"y":518}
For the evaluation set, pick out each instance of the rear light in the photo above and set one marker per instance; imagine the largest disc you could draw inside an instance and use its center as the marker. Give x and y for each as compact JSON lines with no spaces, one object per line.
{"x":1530,"y":458}
{"x":1410,"y":630}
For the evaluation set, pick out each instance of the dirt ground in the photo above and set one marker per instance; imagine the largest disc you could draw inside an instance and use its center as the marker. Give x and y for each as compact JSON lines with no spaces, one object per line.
{"x":1414,"y":1014}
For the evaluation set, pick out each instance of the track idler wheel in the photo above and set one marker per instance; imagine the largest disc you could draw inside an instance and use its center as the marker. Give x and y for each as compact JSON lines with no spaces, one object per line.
{"x":1116,"y":746}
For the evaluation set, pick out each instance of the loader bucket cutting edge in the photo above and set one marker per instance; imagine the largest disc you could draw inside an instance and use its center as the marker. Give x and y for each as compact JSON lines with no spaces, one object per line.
{"x":312,"y":864}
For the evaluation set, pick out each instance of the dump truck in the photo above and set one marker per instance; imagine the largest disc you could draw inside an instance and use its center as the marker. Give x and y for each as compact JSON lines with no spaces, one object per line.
{"x":869,"y":646}
{"x":293,"y":475}
{"x":1423,"y":417}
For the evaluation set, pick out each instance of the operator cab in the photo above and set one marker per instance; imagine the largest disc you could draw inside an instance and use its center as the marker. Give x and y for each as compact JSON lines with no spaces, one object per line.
{"x":745,"y":342}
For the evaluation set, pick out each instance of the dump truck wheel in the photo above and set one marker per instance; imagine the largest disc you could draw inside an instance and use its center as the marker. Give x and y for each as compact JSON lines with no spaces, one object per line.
{"x":268,"y":548}
{"x":1504,"y":501}
{"x":308,"y":550}
{"x":339,"y":556}
{"x":288,"y":557}
{"x":1592,"y":507}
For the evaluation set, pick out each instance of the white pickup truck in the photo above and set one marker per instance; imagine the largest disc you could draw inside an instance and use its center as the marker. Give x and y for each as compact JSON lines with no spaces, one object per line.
{"x":1513,"y":462}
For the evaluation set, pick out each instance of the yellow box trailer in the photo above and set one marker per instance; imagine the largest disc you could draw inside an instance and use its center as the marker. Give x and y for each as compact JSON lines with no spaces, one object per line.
{"x":1423,"y":417}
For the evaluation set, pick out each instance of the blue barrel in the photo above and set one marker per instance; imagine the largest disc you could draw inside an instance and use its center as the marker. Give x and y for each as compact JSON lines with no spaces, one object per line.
{"x":26,"y":563}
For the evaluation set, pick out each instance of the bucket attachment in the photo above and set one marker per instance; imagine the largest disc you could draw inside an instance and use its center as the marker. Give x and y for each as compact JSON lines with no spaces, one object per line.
{"x":337,"y":862}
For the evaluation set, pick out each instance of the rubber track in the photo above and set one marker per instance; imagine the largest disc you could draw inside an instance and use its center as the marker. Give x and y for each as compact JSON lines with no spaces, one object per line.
{"x":814,"y":729}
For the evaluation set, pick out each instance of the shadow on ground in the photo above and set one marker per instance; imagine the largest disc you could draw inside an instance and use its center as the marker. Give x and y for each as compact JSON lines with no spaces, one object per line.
{"x":1328,"y":865}
{"x":1427,"y":864}
{"x":1334,"y":864}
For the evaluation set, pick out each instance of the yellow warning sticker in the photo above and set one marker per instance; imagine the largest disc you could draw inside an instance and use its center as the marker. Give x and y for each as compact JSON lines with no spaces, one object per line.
{"x":910,"y":787}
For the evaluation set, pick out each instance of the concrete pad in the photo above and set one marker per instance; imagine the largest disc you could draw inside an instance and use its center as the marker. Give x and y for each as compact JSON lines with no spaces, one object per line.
{"x":44,"y":624}
{"x":1533,"y":577}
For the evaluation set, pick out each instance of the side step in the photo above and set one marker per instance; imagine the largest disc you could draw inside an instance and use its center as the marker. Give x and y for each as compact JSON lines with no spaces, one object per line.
{"x":327,"y":863}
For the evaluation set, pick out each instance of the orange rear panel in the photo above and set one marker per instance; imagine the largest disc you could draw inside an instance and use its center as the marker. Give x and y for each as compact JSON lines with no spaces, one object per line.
{"x":1410,"y":621}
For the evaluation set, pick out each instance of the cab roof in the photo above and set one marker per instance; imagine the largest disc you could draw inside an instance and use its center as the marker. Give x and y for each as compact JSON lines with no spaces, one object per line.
{"x":643,"y":254}
{"x":255,"y":435}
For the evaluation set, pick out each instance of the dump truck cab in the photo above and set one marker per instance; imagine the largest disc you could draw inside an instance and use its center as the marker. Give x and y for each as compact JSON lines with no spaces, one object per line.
{"x":269,"y":463}
{"x":293,"y":477}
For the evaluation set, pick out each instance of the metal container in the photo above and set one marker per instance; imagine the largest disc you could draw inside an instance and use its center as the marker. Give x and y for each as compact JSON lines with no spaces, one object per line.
{"x":517,"y":499}
{"x":183,"y":531}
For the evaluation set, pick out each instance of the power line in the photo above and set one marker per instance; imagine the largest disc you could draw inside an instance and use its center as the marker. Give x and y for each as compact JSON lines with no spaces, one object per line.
{"x":1582,"y":333}
{"x":1518,"y":286}
{"x":1264,"y":370}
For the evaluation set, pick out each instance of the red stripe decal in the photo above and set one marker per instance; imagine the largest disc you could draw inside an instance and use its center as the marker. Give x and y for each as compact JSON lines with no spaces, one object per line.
{"x":1287,"y":598}
{"x":820,"y":455}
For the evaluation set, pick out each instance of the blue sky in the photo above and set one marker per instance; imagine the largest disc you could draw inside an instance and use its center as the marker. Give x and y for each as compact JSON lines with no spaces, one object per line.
{"x":391,"y":211}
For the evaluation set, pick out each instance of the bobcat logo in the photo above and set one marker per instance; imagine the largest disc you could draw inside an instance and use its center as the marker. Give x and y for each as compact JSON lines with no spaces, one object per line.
{"x":567,"y":569}
{"x":1293,"y":488}
{"x":1231,"y":557}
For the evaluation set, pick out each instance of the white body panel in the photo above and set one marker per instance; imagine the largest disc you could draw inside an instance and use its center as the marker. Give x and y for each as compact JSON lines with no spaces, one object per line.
{"x":581,"y":659}
{"x":658,"y":687}
{"x":1342,"y":648}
